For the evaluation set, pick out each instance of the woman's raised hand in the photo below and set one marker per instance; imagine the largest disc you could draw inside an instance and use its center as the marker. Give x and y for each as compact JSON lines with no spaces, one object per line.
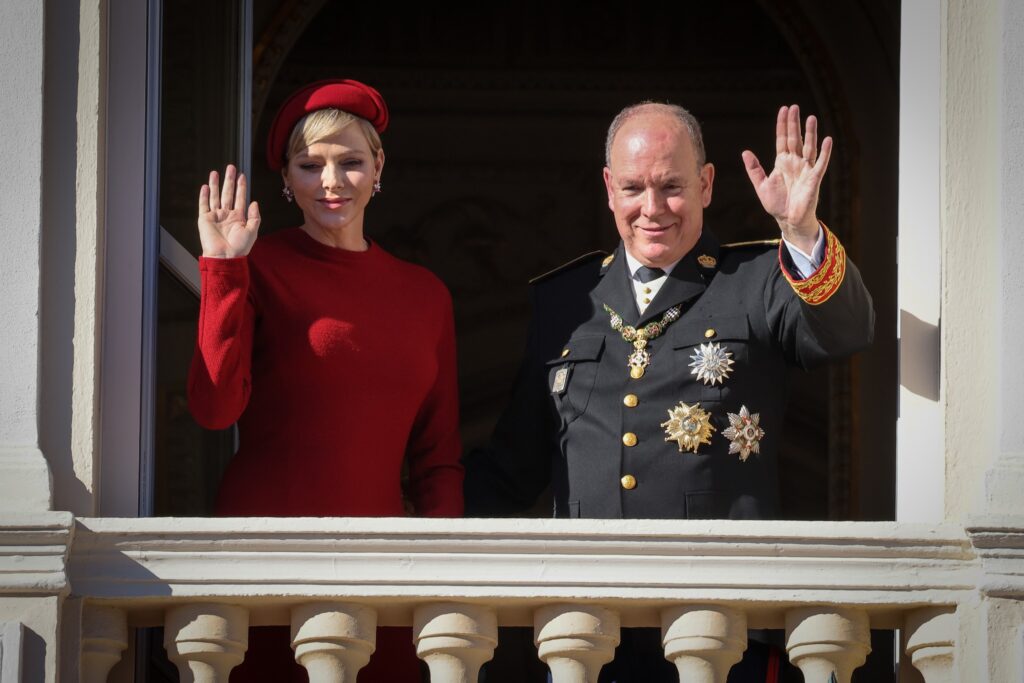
{"x":226,"y":228}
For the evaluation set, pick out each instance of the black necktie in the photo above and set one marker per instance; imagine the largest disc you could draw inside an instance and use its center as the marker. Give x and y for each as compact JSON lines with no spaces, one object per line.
{"x":645,"y":274}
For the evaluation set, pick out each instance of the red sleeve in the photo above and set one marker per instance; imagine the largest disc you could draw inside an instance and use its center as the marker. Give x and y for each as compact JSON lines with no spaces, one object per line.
{"x":435,"y":448}
{"x":219,"y":380}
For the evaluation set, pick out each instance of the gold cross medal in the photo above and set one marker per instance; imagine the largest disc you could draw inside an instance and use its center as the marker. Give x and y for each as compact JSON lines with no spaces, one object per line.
{"x":640,"y":358}
{"x":688,"y":426}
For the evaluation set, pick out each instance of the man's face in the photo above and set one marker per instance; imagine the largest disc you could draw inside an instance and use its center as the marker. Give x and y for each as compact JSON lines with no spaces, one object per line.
{"x":655,"y":189}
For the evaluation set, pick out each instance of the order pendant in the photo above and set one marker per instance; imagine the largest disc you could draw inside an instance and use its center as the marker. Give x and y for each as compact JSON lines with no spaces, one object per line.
{"x":638,"y":361}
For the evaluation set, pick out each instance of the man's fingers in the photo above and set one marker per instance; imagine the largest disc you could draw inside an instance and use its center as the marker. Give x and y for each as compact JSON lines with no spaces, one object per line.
{"x":821,"y":165}
{"x":780,"y":130}
{"x":754,"y":169}
{"x":811,"y":139}
{"x":227,"y":195}
{"x":793,"y":143}
{"x":214,"y":190}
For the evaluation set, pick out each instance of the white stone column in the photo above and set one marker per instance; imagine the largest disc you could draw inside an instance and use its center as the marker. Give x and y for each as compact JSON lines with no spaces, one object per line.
{"x":104,"y":638}
{"x":823,"y":640}
{"x":1004,"y":479}
{"x":575,"y":641}
{"x":704,"y":641}
{"x":930,"y":642}
{"x":206,"y":640}
{"x":455,"y":640}
{"x":25,"y":483}
{"x":333,"y":640}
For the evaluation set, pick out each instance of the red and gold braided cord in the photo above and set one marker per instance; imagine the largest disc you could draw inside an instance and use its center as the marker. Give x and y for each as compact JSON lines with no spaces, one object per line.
{"x":825,"y":281}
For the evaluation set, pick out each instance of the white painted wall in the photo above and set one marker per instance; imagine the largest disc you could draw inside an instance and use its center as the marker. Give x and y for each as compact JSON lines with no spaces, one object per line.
{"x":1011,"y":351}
{"x":920,"y":466}
{"x":971,"y":244}
{"x":24,"y":476}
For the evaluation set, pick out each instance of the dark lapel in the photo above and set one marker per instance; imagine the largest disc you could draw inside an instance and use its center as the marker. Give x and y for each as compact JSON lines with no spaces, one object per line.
{"x":616,"y":290}
{"x":687,"y":281}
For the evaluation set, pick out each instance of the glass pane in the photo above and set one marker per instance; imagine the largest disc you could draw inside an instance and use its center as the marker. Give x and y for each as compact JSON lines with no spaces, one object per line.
{"x":199,"y":106}
{"x":189,"y":459}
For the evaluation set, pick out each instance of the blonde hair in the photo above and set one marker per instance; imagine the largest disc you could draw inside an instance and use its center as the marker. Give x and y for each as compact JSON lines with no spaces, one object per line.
{"x":323,"y":123}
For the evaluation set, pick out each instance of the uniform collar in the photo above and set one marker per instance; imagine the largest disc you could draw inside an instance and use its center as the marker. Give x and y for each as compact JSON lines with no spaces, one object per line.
{"x":616,"y":288}
{"x":688,"y":279}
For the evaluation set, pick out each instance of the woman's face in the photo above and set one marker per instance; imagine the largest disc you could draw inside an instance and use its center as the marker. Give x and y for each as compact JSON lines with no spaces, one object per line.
{"x":333,"y":180}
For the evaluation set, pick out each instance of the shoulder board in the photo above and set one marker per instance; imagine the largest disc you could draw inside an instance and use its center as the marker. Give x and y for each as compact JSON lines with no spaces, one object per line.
{"x":752,"y":243}
{"x":578,"y":261}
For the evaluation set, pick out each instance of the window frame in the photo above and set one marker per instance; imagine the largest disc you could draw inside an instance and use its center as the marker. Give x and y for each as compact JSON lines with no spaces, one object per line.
{"x":134,"y":256}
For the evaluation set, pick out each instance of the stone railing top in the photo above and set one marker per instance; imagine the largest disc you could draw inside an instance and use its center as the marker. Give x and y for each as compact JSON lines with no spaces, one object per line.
{"x":634,"y":566}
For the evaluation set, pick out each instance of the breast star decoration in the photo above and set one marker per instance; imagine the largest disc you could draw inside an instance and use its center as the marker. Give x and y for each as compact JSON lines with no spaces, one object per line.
{"x":744,"y":433}
{"x":711,"y":363}
{"x":689,"y":426}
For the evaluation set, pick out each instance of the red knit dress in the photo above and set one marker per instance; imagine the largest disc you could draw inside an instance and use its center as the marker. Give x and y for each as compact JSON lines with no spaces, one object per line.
{"x":337,"y":366}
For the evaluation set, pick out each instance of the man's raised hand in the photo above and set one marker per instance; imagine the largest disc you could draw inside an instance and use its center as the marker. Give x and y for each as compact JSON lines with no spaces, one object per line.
{"x":790,"y":192}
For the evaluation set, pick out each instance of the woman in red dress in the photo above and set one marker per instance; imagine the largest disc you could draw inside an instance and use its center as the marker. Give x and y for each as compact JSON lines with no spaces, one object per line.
{"x":336,"y":359}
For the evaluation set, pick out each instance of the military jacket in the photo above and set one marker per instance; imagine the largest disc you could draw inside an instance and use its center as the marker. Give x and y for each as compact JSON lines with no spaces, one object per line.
{"x":579,"y":421}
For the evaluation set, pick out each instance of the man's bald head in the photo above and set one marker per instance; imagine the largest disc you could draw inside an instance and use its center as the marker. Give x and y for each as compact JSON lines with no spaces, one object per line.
{"x":685,"y":119}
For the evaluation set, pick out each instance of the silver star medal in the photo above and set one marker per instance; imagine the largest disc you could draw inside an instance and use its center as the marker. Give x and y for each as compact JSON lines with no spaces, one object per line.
{"x":744,"y":432}
{"x":711,"y":363}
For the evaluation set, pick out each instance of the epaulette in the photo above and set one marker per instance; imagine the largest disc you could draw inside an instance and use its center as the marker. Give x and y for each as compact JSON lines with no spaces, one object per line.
{"x":578,"y":261}
{"x":752,"y":243}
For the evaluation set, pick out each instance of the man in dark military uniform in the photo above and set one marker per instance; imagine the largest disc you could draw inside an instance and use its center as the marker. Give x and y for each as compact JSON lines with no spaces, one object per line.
{"x":654,"y":379}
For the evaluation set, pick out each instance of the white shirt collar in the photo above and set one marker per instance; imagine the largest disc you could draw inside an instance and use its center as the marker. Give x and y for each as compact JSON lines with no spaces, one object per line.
{"x":634,"y":265}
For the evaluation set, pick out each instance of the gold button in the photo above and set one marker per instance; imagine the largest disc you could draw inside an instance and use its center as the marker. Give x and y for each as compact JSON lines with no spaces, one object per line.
{"x":647,"y":290}
{"x":565,"y":352}
{"x":630,"y":400}
{"x":646,"y":300}
{"x":629,"y":438}
{"x":628,"y":482}
{"x":709,"y":333}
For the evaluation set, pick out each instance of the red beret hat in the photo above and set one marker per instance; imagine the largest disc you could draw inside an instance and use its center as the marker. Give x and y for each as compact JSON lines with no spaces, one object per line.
{"x":345,"y":94}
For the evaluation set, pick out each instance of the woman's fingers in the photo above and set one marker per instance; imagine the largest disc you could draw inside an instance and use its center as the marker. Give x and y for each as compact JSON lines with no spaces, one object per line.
{"x":204,"y":200}
{"x":227,"y":194}
{"x":240,"y":191}
{"x":214,"y":190}
{"x":253,"y":222}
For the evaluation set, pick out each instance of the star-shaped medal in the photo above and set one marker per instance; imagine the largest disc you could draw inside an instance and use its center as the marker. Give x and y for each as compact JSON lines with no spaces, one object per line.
{"x":688,"y":426}
{"x":744,"y":432}
{"x":711,"y":363}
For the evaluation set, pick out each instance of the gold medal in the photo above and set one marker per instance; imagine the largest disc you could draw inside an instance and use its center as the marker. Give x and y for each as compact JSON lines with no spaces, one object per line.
{"x":688,"y":426}
{"x":744,"y":432}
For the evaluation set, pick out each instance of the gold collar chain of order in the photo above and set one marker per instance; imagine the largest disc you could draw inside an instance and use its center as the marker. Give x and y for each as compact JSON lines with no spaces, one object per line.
{"x":640,"y":358}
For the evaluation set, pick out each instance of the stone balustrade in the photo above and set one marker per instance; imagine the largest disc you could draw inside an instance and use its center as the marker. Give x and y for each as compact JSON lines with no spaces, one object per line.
{"x":577,"y":583}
